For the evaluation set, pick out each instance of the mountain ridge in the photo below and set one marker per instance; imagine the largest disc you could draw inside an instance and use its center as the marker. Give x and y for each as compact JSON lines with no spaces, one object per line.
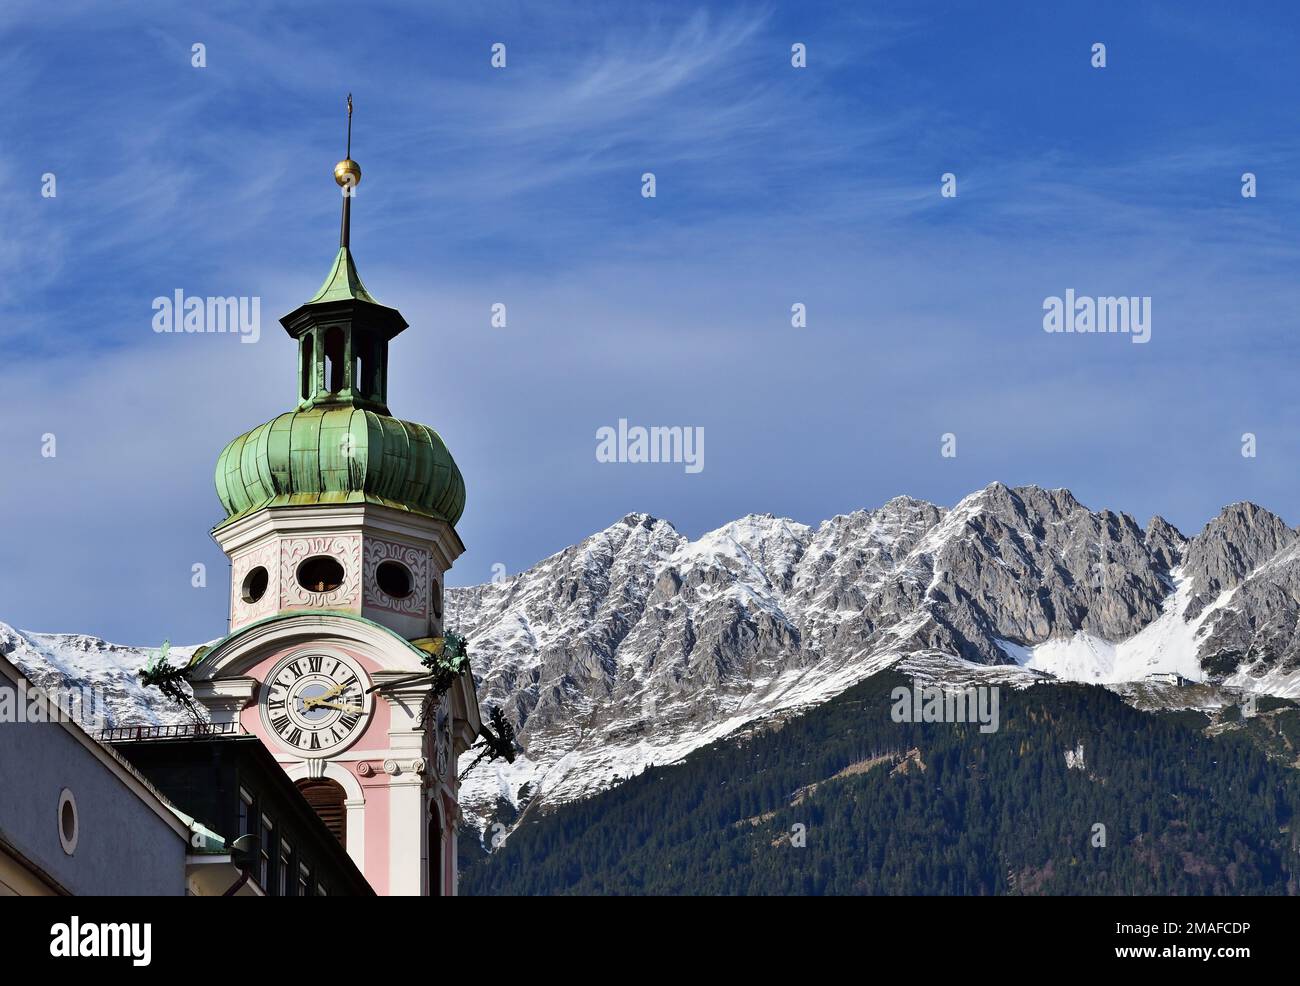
{"x":638,"y":644}
{"x":764,"y":615}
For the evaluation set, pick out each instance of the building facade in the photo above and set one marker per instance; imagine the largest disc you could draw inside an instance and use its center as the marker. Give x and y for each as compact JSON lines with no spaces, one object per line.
{"x":271,"y":843}
{"x":74,"y":817}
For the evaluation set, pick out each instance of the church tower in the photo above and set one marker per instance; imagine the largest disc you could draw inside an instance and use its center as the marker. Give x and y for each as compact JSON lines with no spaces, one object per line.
{"x":340,"y":525}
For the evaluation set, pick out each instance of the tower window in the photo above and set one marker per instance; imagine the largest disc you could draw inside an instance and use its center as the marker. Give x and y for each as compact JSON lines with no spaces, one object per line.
{"x":334,"y":359}
{"x":320,"y":574}
{"x":394,"y":579}
{"x":254,"y":587}
{"x":369,"y":369}
{"x":327,"y":797}
{"x":308,"y":365}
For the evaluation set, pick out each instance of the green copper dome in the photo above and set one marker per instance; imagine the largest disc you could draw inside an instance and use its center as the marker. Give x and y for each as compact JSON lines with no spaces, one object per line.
{"x":340,"y":454}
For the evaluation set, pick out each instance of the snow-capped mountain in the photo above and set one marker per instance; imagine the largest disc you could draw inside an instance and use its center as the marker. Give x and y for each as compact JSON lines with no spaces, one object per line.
{"x":639,"y":645}
{"x":108,"y":672}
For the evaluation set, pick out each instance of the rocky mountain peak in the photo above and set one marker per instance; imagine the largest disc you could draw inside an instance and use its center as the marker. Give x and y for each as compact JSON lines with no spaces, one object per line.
{"x":1229,"y":548}
{"x":1165,"y":542}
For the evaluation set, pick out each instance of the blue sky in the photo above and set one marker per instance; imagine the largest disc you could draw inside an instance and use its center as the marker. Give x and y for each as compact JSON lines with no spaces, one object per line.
{"x":522,"y":186}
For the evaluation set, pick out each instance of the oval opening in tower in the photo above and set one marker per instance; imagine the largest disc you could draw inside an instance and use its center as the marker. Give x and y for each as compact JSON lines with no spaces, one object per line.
{"x":254,"y":585}
{"x":394,"y":579}
{"x":320,"y":574}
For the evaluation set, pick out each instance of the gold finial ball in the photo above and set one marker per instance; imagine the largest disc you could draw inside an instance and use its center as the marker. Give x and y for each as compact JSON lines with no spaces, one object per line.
{"x":347,"y":173}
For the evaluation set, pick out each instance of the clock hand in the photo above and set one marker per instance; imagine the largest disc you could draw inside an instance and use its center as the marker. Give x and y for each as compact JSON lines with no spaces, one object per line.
{"x":317,"y":702}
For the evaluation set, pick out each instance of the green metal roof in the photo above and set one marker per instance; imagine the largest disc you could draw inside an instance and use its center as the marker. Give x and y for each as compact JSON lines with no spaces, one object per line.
{"x":340,"y":454}
{"x":343,"y":282}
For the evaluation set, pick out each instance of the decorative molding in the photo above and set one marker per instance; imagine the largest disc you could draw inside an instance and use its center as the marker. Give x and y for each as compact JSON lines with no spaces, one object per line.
{"x":371,"y":519}
{"x":442,"y":742}
{"x":267,"y":556}
{"x":315,"y":768}
{"x":343,"y":548}
{"x":391,"y":767}
{"x":365,"y":769}
{"x":242,"y":650}
{"x":355,"y":805}
{"x":416,"y":561}
{"x":225,"y":698}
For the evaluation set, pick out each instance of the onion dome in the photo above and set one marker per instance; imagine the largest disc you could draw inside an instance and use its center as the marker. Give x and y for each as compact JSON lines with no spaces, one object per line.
{"x":340,"y":454}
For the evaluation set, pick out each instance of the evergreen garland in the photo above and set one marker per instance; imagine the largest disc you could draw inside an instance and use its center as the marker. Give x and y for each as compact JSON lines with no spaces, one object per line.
{"x":169,"y":679}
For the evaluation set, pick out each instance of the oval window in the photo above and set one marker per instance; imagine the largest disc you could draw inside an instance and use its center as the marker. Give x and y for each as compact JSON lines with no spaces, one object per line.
{"x":320,"y":574}
{"x":254,"y":587}
{"x":69,"y":825}
{"x":394,"y":579}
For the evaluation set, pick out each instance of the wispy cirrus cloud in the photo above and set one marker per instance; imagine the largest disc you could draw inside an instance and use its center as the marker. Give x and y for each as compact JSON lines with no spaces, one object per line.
{"x":521,"y":186}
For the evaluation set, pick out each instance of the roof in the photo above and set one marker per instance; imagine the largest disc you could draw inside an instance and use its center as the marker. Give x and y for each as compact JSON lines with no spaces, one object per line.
{"x":343,"y":283}
{"x":340,"y":454}
{"x":109,"y":758}
{"x":249,"y":745}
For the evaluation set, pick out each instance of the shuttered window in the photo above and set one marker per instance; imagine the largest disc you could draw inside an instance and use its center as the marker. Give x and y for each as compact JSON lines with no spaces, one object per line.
{"x":327,"y":797}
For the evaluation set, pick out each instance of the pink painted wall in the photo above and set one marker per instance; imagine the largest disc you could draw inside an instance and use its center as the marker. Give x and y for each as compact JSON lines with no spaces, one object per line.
{"x":375,"y":863}
{"x":373,"y":737}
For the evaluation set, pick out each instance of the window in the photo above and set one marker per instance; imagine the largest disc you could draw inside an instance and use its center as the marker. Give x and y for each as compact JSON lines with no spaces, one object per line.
{"x":394,"y":579}
{"x":436,"y":873}
{"x":254,"y":586}
{"x":320,"y":574}
{"x":308,"y":366}
{"x":366,"y":379}
{"x":334,"y":360}
{"x":304,"y":880}
{"x":285,"y":870}
{"x":246,"y":813}
{"x":265,"y":842}
{"x":326,"y":797}
{"x":69,"y":824}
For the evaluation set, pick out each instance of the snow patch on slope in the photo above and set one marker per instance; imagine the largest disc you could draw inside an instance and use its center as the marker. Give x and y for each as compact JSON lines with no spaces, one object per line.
{"x":111,"y":671}
{"x":1166,"y":645}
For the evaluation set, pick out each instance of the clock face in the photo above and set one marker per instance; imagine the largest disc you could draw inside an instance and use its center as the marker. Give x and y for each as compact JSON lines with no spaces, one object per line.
{"x":315,"y":703}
